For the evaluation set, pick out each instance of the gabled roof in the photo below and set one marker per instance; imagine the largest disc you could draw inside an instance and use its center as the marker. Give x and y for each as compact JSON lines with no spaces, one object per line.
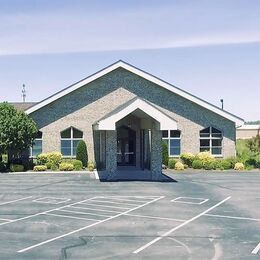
{"x":22,"y":106}
{"x":121,"y":64}
{"x":109,"y":121}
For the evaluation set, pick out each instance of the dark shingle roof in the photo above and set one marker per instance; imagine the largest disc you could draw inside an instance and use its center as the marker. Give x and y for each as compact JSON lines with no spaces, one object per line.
{"x":22,"y":106}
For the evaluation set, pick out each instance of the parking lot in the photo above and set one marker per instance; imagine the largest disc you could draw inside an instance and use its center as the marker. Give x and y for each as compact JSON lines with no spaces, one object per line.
{"x":74,"y":216}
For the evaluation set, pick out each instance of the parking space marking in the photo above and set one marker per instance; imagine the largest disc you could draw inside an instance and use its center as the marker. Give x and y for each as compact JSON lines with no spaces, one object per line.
{"x":153,"y":217}
{"x":51,"y":200}
{"x":105,"y":210}
{"x":5,"y":219}
{"x":182,"y":200}
{"x":231,"y":217}
{"x":257,"y":248}
{"x":88,"y":226}
{"x":12,"y":201}
{"x":107,"y":206}
{"x":113,"y":202}
{"x":65,"y":216}
{"x":123,"y":199}
{"x":41,"y":213}
{"x":84,"y":213}
{"x":179,"y":226}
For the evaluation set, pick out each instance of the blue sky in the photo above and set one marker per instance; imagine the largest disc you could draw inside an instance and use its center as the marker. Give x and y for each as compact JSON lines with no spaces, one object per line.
{"x":210,"y":48}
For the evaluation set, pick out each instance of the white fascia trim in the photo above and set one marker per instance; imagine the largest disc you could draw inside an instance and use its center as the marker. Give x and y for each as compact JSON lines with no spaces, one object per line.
{"x":109,"y":123}
{"x":184,"y":94}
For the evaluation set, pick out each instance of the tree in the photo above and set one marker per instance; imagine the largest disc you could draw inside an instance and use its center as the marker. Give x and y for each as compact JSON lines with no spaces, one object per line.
{"x":254,"y":144}
{"x":165,"y":153}
{"x":82,"y":153}
{"x":17,"y":131}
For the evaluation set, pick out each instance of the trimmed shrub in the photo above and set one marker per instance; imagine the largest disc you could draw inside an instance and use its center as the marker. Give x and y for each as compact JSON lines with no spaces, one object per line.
{"x":54,"y":158}
{"x":165,"y":153}
{"x":16,"y":167}
{"x":66,"y":167}
{"x":204,"y":156}
{"x":4,"y":158}
{"x":48,"y":165}
{"x":77,"y":164}
{"x":40,"y":168}
{"x":197,"y":164}
{"x":171,"y":163}
{"x":225,"y":164}
{"x":179,"y":166}
{"x":82,"y":153}
{"x":233,"y":160}
{"x":54,"y":167}
{"x":239,"y":166}
{"x":42,"y":159}
{"x":91,"y":166}
{"x":2,"y":167}
{"x":187,"y":158}
{"x":210,"y":165}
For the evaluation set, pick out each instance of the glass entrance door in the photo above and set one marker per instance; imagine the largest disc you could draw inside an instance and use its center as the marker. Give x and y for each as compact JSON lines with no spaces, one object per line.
{"x":125,"y":146}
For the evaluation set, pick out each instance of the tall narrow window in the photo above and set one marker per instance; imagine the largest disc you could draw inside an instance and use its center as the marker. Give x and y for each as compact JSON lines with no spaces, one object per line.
{"x":69,"y":141}
{"x":211,"y":140}
{"x":173,"y":140}
{"x":37,"y":145}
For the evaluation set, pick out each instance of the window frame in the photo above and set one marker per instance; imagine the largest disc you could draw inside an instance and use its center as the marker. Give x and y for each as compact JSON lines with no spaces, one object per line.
{"x":211,"y":138}
{"x":31,"y":148}
{"x":169,"y":138}
{"x":71,"y":139}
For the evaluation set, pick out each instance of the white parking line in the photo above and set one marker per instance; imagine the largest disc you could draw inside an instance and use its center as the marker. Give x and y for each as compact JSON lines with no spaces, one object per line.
{"x":51,"y":200}
{"x":153,"y":217}
{"x":231,"y":217}
{"x":85,"y":213}
{"x":178,"y":227}
{"x":123,"y":199}
{"x":9,"y":202}
{"x":64,"y":216}
{"x":105,"y":210}
{"x":255,"y":251}
{"x":88,"y":226}
{"x":5,"y":219}
{"x":182,"y":200}
{"x":113,"y":202}
{"x":43,"y":212}
{"x":100,"y":205}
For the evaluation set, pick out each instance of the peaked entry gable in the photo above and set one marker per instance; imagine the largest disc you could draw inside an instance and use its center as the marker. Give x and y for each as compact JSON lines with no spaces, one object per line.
{"x":121,"y":64}
{"x":109,"y":122}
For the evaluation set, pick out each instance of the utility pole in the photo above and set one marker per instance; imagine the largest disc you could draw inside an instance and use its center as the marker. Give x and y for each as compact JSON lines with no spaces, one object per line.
{"x":222,"y":103}
{"x":23,"y":93}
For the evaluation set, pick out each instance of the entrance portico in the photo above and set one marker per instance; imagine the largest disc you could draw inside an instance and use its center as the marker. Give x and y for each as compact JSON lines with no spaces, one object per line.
{"x":130,"y":138}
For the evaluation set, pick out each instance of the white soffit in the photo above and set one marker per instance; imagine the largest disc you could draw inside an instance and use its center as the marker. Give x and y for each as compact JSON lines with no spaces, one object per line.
{"x":109,"y":123}
{"x":143,"y":74}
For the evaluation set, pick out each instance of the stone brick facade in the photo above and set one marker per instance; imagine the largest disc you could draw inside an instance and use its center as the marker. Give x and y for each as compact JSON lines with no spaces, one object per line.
{"x":85,"y":106}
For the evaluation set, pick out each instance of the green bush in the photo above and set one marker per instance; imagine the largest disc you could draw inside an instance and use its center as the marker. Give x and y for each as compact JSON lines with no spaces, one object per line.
{"x":165,"y":153}
{"x":39,"y":168}
{"x":197,"y":164}
{"x":48,"y":165}
{"x":16,"y":167}
{"x":54,"y":167}
{"x":82,"y":153}
{"x":171,"y":163}
{"x":187,"y":158}
{"x":225,"y":164}
{"x":77,"y":164}
{"x":210,"y":165}
{"x":54,"y":158}
{"x":179,"y":166}
{"x":233,"y":160}
{"x":2,"y":167}
{"x":5,"y":158}
{"x":91,"y":166}
{"x":42,"y":159}
{"x":66,"y":167}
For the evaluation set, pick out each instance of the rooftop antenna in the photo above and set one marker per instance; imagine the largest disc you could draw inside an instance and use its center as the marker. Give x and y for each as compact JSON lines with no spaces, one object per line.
{"x":23,"y":93}
{"x":222,"y":103}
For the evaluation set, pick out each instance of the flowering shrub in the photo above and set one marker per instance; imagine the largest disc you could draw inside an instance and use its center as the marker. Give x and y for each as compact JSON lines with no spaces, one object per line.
{"x":179,"y":166}
{"x":239,"y":166}
{"x":187,"y":158}
{"x":66,"y":167}
{"x":39,"y":168}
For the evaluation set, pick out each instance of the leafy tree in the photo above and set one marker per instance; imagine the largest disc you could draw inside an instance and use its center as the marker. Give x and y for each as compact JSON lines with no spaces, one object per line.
{"x":17,"y":131}
{"x":254,"y":144}
{"x":82,"y":153}
{"x":165,"y":153}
